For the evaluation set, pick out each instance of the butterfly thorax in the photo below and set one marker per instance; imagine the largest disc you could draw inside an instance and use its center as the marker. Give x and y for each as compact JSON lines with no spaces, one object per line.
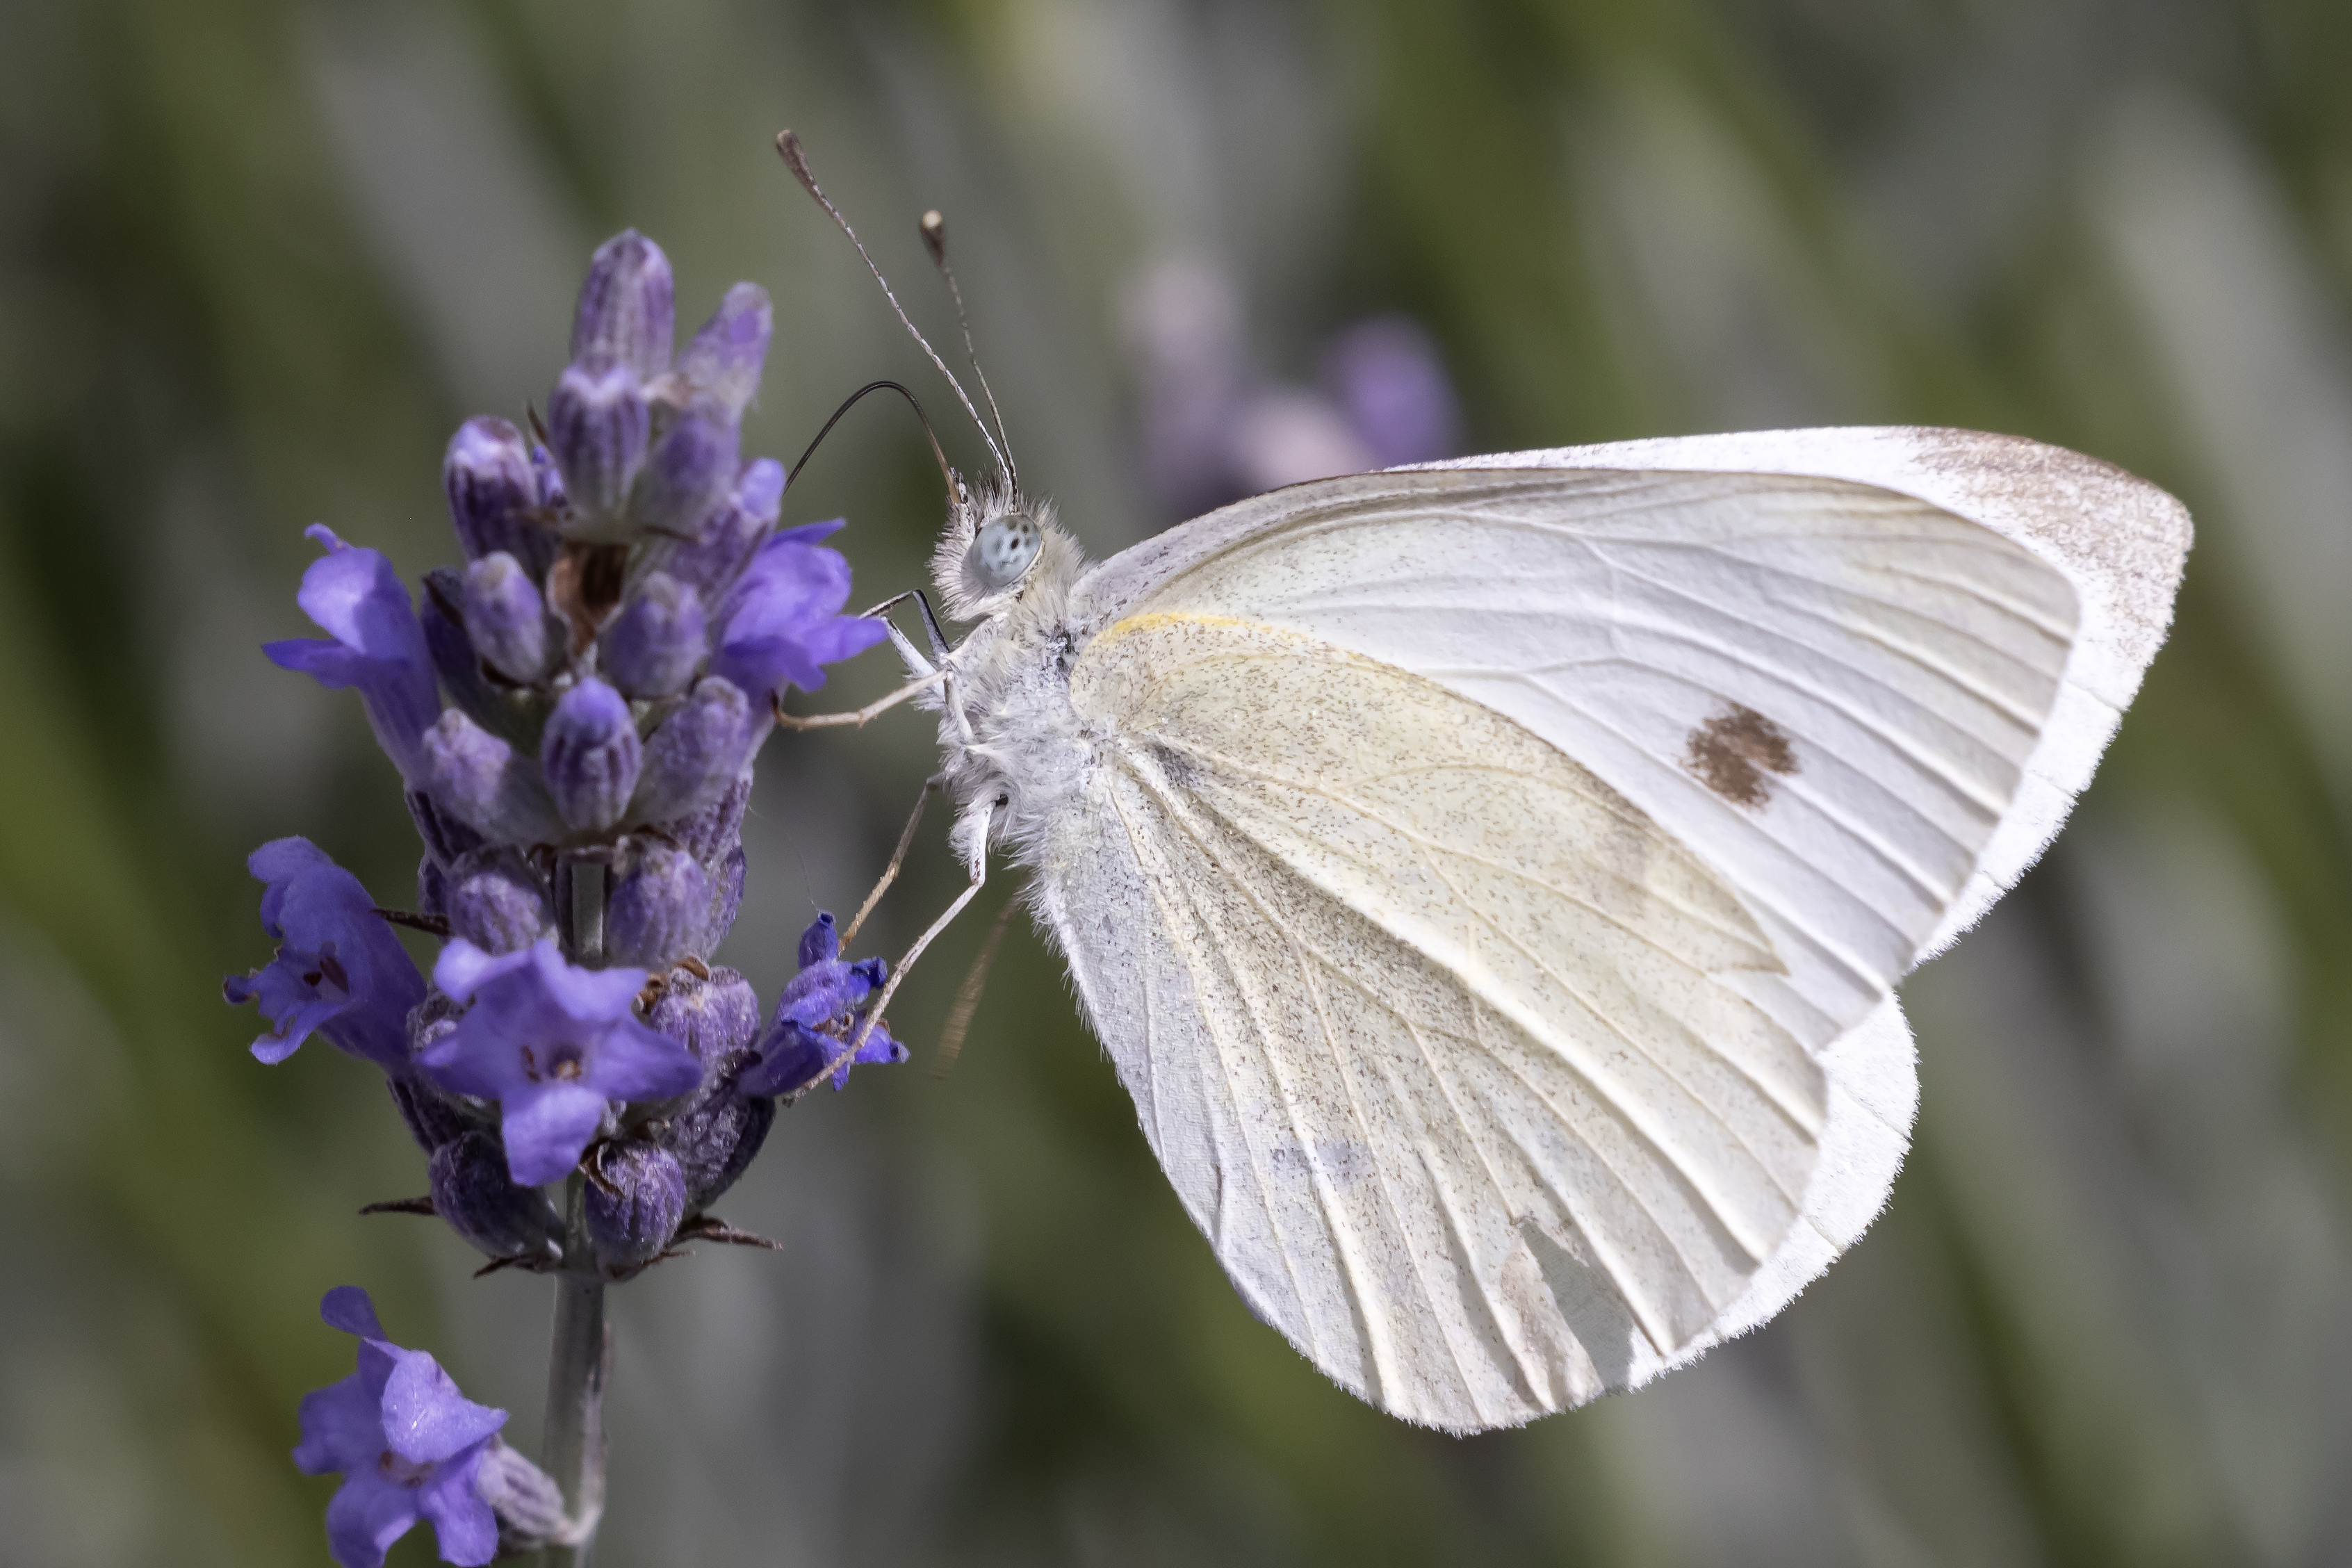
{"x":1009,"y":735}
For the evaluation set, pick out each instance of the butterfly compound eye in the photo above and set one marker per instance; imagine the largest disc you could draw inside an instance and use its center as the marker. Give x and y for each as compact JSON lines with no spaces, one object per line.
{"x":1004,"y":548}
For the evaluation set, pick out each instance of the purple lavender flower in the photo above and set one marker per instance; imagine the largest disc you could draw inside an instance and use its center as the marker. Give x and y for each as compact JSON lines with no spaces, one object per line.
{"x":820,"y":1013}
{"x":339,"y":969}
{"x":406,"y":1443}
{"x":375,"y":645}
{"x":783,"y":621}
{"x":553,"y":1045}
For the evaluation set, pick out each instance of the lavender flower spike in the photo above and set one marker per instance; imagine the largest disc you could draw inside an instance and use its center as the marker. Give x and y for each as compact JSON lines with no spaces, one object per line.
{"x":783,"y":621}
{"x":375,"y":645}
{"x":818,"y":1014}
{"x":552,"y":1044}
{"x":339,"y":969}
{"x":406,"y":1443}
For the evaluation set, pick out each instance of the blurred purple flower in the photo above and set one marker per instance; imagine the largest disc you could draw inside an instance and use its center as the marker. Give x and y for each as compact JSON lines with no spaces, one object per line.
{"x":552,"y":1044}
{"x":1386,"y":375}
{"x":781,"y":623}
{"x":375,"y":645}
{"x":1213,"y":431}
{"x":406,"y":1443}
{"x":339,"y":969}
{"x":818,"y":1014}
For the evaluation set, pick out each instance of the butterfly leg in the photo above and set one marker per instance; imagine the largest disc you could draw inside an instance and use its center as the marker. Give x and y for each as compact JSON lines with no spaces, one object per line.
{"x":931,"y":624}
{"x":858,"y":717}
{"x":898,"y":858}
{"x":972,"y":829}
{"x":920,"y":667}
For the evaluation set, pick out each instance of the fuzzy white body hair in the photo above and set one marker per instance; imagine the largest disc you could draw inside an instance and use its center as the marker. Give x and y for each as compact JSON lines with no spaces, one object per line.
{"x":1027,"y":753}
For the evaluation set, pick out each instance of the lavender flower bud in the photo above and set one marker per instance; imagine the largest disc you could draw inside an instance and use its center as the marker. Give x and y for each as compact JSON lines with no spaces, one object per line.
{"x":659,"y":909}
{"x":495,"y":497}
{"x":726,"y":899}
{"x":432,"y":1117}
{"x":432,"y":887}
{"x":472,"y":1191}
{"x":626,"y":315}
{"x":477,"y":778}
{"x":716,"y":1137}
{"x":590,"y":755}
{"x":552,"y":497}
{"x":723,"y":361}
{"x":717,"y":1018}
{"x":635,"y":1197}
{"x":525,"y":1500}
{"x":598,"y":424}
{"x":821,"y":943}
{"x":711,"y":560}
{"x":657,"y":640}
{"x":497,"y":901}
{"x":699,"y":750}
{"x":427,"y":1022}
{"x":513,"y":714}
{"x":445,"y":837}
{"x":504,"y":618}
{"x":689,"y":472}
{"x":714,"y":831}
{"x":716,"y":1134}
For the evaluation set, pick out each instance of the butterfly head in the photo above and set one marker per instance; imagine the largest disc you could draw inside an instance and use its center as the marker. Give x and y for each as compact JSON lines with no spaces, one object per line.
{"x":998,"y":547}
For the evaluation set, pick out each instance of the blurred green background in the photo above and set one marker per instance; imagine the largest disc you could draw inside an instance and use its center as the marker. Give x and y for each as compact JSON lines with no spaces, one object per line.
{"x":257,"y":258}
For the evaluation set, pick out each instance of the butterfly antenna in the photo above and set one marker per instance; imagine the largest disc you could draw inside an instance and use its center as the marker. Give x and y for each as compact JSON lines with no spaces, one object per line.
{"x":788,"y":146}
{"x":967,"y":1000}
{"x":935,"y":240}
{"x":955,"y":491}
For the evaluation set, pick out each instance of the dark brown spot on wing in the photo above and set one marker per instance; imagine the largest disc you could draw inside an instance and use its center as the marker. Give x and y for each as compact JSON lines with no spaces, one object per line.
{"x":1732,"y":752}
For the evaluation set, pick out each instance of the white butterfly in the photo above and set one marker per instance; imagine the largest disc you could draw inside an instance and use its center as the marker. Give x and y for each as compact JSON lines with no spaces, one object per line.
{"x":1489,"y":877}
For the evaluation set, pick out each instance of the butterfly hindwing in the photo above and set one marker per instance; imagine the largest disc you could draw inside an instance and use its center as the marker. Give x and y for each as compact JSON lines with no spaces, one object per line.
{"x":1436,"y":1035}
